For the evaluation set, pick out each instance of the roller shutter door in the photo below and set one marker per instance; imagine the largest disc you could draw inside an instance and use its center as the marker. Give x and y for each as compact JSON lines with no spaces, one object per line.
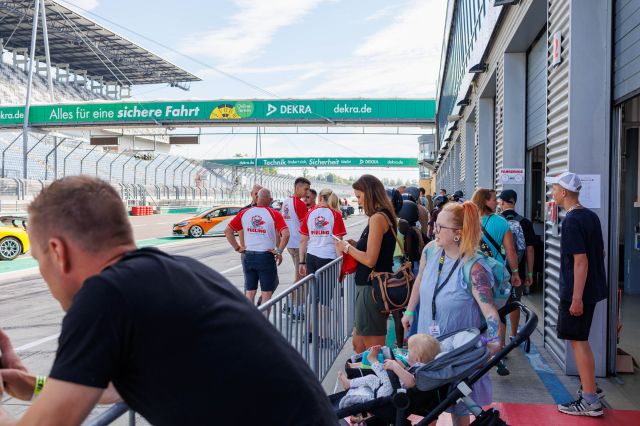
{"x":463,"y":155}
{"x":476,"y":147}
{"x":557,"y":162}
{"x":537,"y":93}
{"x":499,"y":124}
{"x":626,"y":66}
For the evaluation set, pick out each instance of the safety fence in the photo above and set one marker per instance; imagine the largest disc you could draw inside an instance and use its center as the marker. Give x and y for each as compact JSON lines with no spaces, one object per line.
{"x":316,"y":315}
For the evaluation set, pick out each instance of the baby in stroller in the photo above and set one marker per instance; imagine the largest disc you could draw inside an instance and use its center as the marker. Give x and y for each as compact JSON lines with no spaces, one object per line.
{"x":422,"y":349}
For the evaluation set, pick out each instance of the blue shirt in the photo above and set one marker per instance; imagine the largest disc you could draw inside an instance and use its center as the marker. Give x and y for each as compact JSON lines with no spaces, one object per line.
{"x":496,"y":226}
{"x":581,"y":234}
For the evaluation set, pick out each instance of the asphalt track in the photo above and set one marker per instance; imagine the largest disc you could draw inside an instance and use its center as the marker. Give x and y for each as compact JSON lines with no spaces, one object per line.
{"x":32,"y":318}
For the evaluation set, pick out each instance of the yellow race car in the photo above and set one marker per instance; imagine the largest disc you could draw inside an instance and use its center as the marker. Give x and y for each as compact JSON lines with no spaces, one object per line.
{"x":13,"y":237}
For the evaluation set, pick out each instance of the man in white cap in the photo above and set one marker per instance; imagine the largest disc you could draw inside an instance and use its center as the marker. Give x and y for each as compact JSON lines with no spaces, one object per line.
{"x":582,"y":285}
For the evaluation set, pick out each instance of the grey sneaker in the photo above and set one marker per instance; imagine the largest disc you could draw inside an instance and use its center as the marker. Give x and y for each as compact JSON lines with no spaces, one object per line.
{"x":580,"y":407}
{"x":599,"y":392}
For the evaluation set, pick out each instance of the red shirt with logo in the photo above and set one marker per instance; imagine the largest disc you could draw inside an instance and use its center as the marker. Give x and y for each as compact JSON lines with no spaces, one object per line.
{"x":318,"y":225}
{"x":294,"y":210}
{"x":260,"y":225}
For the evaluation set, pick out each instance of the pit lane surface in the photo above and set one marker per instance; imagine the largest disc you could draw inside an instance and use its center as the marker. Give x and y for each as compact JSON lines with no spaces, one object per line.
{"x":32,"y":318}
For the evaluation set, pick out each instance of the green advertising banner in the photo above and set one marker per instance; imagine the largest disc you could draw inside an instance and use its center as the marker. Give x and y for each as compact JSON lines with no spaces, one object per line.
{"x":315,"y":162}
{"x":264,"y":112}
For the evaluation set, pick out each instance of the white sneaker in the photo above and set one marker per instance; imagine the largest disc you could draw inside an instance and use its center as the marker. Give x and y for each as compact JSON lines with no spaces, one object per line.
{"x":580,"y":407}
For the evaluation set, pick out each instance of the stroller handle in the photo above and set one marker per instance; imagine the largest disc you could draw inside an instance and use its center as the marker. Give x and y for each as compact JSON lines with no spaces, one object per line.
{"x":531,"y":322}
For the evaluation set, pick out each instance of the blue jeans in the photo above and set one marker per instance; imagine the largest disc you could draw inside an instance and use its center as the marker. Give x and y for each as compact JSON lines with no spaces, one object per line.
{"x":260,"y":266}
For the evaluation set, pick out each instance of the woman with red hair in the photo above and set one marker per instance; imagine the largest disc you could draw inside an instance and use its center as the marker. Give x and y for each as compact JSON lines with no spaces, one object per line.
{"x":449,"y":301}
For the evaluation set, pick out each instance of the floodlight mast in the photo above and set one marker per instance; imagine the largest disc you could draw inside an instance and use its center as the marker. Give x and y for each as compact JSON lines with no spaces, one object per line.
{"x":27,"y":104}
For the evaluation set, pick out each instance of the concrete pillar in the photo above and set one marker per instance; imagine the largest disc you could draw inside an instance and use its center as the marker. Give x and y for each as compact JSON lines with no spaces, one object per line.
{"x":514,"y":130}
{"x":486,"y":162}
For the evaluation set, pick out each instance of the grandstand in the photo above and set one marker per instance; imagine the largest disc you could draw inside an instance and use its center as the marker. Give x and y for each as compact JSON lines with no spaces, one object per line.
{"x":89,"y":63}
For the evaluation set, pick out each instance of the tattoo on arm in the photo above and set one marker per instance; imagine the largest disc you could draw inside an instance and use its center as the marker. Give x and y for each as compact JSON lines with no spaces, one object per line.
{"x":483,"y":293}
{"x":482,"y":284}
{"x":492,"y":326}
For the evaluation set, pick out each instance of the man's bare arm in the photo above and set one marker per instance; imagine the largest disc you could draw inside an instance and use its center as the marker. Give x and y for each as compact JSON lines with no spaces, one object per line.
{"x":60,"y":404}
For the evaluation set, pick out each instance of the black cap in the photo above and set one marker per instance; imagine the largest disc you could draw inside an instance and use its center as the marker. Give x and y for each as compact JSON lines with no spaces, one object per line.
{"x":459,"y":194}
{"x":509,"y":195}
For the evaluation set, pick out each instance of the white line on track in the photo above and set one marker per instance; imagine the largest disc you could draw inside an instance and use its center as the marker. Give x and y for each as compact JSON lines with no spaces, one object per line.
{"x":37,"y":342}
{"x":231,"y":269}
{"x":355,"y":224}
{"x":153,"y":224}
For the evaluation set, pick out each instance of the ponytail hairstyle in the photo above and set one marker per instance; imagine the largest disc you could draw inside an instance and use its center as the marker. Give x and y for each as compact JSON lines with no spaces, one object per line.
{"x":467,"y":218}
{"x":328,"y":196}
{"x":480,"y":198}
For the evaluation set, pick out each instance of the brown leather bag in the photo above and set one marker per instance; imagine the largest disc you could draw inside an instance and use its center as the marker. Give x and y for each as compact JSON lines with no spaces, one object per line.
{"x":391,"y":290}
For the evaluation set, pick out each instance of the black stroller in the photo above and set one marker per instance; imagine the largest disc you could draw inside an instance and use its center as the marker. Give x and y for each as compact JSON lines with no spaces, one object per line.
{"x":444,"y":381}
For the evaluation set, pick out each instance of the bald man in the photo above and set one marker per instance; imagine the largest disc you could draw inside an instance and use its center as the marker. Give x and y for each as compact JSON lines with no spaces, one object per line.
{"x":265,"y":237}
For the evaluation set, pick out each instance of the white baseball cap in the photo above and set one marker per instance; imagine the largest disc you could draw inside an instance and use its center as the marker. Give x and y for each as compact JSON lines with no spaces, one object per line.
{"x":567,"y":180}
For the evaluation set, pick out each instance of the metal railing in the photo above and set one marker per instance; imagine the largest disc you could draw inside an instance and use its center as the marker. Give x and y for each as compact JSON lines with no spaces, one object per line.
{"x":316,"y":315}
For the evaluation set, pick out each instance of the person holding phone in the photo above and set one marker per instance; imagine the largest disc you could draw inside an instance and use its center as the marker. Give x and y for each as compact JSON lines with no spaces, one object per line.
{"x":373,"y":252}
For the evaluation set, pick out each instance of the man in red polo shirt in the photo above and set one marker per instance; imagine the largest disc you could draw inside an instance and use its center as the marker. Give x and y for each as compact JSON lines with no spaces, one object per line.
{"x":260,"y":226}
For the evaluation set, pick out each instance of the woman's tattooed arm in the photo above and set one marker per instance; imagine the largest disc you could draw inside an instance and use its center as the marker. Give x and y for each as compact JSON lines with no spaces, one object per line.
{"x":482,"y":290}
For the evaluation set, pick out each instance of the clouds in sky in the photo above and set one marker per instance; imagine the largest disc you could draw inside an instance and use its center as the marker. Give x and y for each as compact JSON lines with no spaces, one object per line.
{"x":250,"y":29}
{"x":399,"y":60}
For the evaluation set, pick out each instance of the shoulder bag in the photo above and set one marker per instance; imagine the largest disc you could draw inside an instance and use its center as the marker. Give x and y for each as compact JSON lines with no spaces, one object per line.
{"x":391,"y":290}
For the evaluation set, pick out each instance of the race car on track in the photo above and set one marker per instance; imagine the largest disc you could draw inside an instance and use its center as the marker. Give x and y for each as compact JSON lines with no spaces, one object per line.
{"x":13,"y":237}
{"x":209,"y":221}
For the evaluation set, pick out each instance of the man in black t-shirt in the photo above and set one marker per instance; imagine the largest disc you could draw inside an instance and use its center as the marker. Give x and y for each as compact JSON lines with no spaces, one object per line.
{"x":177,"y":341}
{"x":582,"y":285}
{"x":254,"y":196}
{"x":507,"y":202}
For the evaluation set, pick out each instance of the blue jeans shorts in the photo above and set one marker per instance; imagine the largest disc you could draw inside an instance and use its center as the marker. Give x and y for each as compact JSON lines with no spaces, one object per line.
{"x":260,"y":266}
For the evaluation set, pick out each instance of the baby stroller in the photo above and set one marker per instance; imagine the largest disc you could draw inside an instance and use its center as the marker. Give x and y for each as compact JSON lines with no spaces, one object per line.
{"x":444,"y":381}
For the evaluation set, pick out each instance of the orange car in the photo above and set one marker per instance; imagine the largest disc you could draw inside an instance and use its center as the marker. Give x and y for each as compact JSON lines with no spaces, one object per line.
{"x":209,"y":221}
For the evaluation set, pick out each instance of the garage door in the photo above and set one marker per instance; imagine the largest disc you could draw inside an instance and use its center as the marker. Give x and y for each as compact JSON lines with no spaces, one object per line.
{"x":537,"y":92}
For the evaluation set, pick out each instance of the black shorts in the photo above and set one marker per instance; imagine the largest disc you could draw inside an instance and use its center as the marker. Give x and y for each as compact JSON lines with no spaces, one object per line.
{"x":571,"y":327}
{"x":313,"y":264}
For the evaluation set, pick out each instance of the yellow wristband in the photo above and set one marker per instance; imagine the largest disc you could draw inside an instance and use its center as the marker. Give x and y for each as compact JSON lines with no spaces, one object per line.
{"x":40,"y":381}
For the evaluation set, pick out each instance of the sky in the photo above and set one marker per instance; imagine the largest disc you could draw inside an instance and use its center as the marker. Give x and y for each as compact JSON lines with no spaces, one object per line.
{"x":293,"y":49}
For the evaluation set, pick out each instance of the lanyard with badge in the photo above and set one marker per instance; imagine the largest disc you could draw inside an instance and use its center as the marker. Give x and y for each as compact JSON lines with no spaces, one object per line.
{"x":434,"y":329}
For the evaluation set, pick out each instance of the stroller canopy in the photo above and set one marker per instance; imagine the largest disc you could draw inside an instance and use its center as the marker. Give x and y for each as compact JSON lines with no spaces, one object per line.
{"x":462,"y":353}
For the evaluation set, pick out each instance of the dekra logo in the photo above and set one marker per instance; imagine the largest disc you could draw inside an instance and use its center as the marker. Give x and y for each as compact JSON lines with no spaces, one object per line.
{"x":289,"y":109}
